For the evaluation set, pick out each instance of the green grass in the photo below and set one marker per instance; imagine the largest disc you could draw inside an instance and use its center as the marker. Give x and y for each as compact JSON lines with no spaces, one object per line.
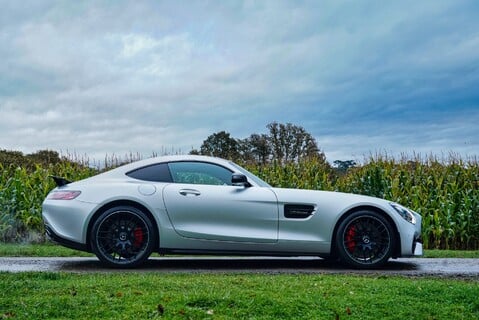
{"x":39,"y":250}
{"x":232,"y":296}
{"x":220,"y":296}
{"x":451,"y":254}
{"x":53,"y":250}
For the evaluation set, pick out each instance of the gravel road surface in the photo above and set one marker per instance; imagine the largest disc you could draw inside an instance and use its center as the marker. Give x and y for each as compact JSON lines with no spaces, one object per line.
{"x":414,"y":267}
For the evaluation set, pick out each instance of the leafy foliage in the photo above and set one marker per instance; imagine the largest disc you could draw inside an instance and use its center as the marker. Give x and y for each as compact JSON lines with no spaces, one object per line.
{"x":445,"y":193}
{"x":343,"y":166}
{"x":285,"y":143}
{"x":29,"y":161}
{"x":291,"y":143}
{"x":24,"y":185}
{"x":220,"y":145}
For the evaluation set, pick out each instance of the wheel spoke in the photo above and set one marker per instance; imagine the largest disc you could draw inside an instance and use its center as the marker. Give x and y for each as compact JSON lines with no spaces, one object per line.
{"x":122,"y":237}
{"x":366,"y":239}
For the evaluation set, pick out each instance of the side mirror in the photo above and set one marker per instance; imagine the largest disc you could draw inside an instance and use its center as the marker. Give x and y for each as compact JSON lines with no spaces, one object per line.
{"x":239,"y":179}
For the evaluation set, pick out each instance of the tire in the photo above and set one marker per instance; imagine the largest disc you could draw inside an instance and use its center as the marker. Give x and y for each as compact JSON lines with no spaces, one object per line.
{"x":123,"y":237}
{"x":365,"y":240}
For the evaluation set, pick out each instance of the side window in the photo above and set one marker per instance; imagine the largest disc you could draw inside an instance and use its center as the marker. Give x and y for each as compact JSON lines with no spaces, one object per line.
{"x":199,"y":173}
{"x":157,"y":173}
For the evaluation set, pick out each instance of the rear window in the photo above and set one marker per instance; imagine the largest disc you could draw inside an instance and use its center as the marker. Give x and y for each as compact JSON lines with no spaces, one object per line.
{"x":157,"y":173}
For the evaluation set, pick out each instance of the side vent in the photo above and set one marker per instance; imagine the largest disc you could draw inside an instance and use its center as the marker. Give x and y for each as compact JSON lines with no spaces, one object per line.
{"x":298,"y":211}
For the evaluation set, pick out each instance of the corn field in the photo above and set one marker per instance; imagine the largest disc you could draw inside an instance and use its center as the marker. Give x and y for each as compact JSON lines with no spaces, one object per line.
{"x":22,"y":191}
{"x":444,"y":191}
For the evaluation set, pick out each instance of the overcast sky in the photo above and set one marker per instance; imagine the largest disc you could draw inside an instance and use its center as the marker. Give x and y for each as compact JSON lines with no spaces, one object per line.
{"x":97,"y":77}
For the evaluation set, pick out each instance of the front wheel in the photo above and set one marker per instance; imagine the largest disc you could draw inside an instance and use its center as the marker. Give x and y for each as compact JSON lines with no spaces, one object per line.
{"x":123,"y":237}
{"x":365,"y":239}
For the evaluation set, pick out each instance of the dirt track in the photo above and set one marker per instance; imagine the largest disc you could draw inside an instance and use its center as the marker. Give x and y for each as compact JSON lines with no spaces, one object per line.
{"x":456,"y":268}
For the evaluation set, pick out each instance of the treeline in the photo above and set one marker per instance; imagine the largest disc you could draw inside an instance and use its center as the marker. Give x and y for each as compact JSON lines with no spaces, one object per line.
{"x":30,"y":161}
{"x":284,"y":143}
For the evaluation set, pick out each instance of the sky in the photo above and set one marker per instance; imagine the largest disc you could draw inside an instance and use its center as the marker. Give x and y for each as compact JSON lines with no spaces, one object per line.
{"x":363,"y":77}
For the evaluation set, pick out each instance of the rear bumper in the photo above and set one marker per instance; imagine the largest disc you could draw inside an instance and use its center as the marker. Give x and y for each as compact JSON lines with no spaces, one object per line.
{"x":64,"y":242}
{"x":68,"y":219}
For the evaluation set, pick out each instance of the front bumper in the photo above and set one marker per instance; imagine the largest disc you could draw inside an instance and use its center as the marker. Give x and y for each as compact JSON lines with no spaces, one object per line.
{"x":411,"y":242}
{"x":418,"y":249}
{"x":417,"y":240}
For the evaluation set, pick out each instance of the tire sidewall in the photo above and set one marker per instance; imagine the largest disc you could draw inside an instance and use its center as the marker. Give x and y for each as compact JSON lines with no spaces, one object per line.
{"x":131,"y":210}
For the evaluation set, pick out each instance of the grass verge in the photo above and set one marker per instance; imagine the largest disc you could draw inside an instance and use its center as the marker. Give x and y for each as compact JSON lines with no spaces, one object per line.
{"x":39,"y":250}
{"x":451,"y":254}
{"x":220,"y":296}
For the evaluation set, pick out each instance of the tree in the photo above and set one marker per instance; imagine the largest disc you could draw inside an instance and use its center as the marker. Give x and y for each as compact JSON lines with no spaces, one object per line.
{"x":284,"y":143}
{"x":256,"y":148}
{"x":343,"y":166}
{"x":222,"y":145}
{"x":29,"y":161}
{"x":44,"y":157}
{"x":291,"y":143}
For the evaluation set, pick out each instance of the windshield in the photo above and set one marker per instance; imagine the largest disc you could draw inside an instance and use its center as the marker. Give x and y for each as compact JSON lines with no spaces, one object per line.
{"x":251,"y":176}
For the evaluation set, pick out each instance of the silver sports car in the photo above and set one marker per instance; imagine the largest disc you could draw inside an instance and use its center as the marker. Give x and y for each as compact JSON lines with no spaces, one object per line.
{"x":204,"y":205}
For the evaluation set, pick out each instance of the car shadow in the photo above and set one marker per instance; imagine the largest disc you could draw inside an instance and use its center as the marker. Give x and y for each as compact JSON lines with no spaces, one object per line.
{"x":238,"y":265}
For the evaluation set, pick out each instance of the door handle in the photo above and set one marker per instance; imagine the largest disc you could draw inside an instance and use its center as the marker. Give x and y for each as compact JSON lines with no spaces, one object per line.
{"x":189,"y":192}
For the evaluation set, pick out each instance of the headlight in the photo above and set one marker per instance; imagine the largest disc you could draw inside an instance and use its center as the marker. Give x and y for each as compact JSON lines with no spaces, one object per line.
{"x":405,"y":213}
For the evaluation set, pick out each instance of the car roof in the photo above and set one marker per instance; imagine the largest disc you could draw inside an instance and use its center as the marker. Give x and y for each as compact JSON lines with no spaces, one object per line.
{"x":171,"y":158}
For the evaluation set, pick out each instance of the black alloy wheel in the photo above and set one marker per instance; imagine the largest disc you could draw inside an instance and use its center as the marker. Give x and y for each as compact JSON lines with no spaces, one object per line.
{"x":365,"y":239}
{"x":123,"y":237}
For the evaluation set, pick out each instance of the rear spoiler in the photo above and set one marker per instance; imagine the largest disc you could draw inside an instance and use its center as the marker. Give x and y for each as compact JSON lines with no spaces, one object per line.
{"x":60,"y":181}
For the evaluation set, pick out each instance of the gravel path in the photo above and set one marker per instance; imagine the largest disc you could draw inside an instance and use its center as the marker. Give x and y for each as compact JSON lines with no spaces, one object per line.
{"x":414,"y":267}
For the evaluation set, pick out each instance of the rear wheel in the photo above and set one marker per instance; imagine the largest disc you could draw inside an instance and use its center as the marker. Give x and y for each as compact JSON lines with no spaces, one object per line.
{"x":365,"y":239}
{"x":123,"y":237}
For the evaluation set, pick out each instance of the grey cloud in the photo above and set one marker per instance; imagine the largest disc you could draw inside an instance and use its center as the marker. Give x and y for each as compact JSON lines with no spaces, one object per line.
{"x":126,"y":76}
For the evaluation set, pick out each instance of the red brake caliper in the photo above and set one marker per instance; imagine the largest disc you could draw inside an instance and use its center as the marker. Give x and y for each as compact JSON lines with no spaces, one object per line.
{"x":350,"y":243}
{"x":138,"y":237}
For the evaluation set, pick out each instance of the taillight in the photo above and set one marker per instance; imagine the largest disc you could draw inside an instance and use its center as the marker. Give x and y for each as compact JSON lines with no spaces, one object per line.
{"x":64,"y":195}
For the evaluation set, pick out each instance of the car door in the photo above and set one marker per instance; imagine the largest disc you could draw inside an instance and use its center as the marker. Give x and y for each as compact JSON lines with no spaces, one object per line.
{"x":202,"y":204}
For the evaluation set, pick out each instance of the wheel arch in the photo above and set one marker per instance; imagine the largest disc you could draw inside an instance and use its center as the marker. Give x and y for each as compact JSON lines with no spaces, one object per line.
{"x":397,"y":246}
{"x":117,"y":203}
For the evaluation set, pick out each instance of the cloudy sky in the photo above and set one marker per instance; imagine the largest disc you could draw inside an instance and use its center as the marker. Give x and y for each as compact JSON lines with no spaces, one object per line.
{"x":97,"y":77}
